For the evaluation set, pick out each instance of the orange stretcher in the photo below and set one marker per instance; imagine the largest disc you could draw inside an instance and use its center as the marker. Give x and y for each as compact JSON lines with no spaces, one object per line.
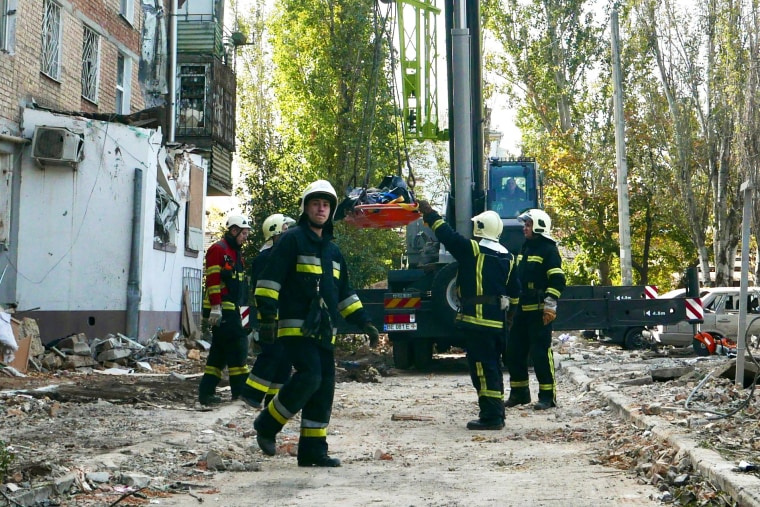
{"x":383,"y":216}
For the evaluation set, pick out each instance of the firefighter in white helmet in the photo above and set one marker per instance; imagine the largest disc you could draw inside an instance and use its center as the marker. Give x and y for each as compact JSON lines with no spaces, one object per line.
{"x":226,"y":291}
{"x":486,"y":286}
{"x":271,"y":370}
{"x":539,"y":267}
{"x":299,"y":295}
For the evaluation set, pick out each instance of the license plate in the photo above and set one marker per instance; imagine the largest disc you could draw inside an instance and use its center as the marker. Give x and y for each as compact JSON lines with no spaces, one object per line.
{"x":406,"y":326}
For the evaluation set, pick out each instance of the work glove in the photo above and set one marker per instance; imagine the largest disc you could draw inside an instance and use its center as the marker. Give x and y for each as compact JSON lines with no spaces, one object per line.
{"x":424,"y":207}
{"x":550,"y":310}
{"x":373,"y":334}
{"x":267,"y":330}
{"x":215,"y":317}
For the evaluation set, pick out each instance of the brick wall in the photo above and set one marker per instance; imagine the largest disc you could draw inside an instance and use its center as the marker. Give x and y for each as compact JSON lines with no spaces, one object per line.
{"x":21,"y":79}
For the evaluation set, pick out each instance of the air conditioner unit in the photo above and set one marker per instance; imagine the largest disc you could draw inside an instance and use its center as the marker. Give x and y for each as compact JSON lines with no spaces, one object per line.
{"x":57,"y":146}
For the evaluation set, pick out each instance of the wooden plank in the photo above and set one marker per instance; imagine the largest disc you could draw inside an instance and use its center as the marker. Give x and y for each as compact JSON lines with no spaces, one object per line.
{"x":21,"y":360}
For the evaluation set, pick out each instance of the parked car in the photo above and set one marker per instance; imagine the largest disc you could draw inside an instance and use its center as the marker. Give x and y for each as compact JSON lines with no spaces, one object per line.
{"x":721,"y":308}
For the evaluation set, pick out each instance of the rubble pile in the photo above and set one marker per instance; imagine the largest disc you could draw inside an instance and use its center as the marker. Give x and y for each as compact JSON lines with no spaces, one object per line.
{"x":78,"y":352}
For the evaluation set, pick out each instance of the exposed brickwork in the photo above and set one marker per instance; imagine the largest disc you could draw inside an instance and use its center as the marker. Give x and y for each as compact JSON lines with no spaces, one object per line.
{"x":21,"y":79}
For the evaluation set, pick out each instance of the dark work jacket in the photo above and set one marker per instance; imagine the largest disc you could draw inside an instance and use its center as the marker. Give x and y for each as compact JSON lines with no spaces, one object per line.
{"x":301,"y":266}
{"x":484,"y":276}
{"x":225,"y":276}
{"x":539,"y":267}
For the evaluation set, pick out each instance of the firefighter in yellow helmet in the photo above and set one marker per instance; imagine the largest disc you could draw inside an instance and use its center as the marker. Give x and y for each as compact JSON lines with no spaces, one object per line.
{"x":539,"y":267}
{"x":299,"y":295}
{"x":486,"y":286}
{"x":271,"y":370}
{"x":226,"y":291}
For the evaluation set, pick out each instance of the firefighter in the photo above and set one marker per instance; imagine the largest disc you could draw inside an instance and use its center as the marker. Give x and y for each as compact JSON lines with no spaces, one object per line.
{"x":271,"y":370}
{"x":299,"y":295}
{"x":539,"y":268}
{"x":486,"y":287}
{"x":226,"y":290}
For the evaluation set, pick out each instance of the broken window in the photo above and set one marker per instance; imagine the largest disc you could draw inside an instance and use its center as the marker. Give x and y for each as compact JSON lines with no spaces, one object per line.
{"x":167,"y":212}
{"x":51,"y":40}
{"x":90,"y":64}
{"x":192,"y":100}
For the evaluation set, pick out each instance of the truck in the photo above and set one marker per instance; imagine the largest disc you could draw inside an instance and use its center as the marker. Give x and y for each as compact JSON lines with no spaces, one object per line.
{"x":418,"y":308}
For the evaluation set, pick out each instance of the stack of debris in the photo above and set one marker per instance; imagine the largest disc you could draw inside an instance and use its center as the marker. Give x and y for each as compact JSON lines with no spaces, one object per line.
{"x":113,"y":351}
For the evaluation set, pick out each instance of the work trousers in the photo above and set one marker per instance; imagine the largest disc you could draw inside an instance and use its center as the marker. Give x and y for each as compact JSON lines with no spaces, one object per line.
{"x":310,"y":390}
{"x":529,"y":337}
{"x":483,"y":352}
{"x":269,"y":373}
{"x":229,"y":347}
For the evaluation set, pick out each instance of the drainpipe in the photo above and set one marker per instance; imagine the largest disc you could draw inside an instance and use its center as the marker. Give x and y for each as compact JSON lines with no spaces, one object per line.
{"x":133,"y":282}
{"x":172,"y":71}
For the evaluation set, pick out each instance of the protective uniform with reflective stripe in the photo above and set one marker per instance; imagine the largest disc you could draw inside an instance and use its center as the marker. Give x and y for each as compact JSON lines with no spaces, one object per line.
{"x":286,"y":288}
{"x":539,"y":267}
{"x":485,"y":274}
{"x":226,"y":285}
{"x":304,"y":265}
{"x":271,"y":369}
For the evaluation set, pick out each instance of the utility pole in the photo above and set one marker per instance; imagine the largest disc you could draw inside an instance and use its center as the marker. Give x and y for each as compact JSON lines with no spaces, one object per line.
{"x":624,"y":225}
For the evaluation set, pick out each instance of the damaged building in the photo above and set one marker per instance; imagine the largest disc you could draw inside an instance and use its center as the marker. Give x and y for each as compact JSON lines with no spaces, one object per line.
{"x":117,"y":119}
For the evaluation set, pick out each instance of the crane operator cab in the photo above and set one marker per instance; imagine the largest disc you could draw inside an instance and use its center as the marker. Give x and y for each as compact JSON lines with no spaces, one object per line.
{"x":513,"y":187}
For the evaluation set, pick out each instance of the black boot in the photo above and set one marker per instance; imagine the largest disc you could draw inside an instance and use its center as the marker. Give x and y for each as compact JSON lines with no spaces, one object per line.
{"x":209,"y":399}
{"x":544,"y":405}
{"x":486,"y":424}
{"x":518,"y":396}
{"x":321,"y":461}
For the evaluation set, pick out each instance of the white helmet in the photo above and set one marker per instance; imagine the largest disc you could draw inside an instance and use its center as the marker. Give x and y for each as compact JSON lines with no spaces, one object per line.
{"x":487,"y":225}
{"x":274,"y":225}
{"x":239,"y":221}
{"x":320,"y":188}
{"x":542,"y":223}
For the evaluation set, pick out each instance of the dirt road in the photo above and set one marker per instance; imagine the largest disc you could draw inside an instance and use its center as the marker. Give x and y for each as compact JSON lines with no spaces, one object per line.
{"x":92,"y":439}
{"x":403,"y":442}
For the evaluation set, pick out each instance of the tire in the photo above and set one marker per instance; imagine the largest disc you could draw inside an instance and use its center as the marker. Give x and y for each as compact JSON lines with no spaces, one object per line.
{"x":402,"y":352}
{"x":634,"y":339}
{"x":445,"y":299}
{"x":423,"y":354}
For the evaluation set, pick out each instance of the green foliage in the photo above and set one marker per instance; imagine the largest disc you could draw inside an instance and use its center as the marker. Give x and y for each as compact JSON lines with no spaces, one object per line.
{"x":7,"y":457}
{"x":369,"y":253}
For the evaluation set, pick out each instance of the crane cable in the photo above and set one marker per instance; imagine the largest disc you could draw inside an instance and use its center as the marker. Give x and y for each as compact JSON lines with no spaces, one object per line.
{"x":400,"y":140}
{"x":368,"y":116}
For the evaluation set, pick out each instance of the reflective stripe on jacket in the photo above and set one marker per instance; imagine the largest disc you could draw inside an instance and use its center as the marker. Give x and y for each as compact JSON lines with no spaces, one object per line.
{"x":301,"y":266}
{"x":482,"y":272}
{"x":539,"y":267}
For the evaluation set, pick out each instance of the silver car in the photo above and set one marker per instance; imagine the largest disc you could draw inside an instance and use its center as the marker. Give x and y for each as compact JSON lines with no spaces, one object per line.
{"x":721,"y":306}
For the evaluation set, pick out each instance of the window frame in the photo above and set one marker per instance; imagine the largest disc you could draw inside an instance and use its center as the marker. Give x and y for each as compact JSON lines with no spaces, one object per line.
{"x":8,"y":25}
{"x":93,"y":79}
{"x":123,"y":87}
{"x":127,"y":10}
{"x":50,"y":59}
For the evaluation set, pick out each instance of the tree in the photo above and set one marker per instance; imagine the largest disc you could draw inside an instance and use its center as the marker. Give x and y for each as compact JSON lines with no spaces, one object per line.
{"x":322,"y":108}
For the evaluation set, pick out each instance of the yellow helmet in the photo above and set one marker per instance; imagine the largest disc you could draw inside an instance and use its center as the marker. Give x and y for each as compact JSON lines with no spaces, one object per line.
{"x":274,"y":225}
{"x":487,"y":225}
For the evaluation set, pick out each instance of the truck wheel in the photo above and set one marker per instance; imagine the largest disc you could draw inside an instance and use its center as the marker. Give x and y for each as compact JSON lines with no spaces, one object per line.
{"x":444,"y":289}
{"x":402,"y":353}
{"x":634,"y":339}
{"x":423,"y":354}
